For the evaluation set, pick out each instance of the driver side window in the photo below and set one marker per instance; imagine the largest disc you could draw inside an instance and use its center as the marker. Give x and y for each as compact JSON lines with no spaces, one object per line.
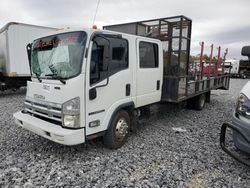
{"x":108,"y":56}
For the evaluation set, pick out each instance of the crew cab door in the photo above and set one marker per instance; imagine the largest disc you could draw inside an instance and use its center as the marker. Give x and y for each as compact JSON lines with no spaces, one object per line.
{"x":108,"y":80}
{"x":149,"y":72}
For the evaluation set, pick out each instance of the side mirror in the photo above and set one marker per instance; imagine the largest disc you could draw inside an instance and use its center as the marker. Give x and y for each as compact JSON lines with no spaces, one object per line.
{"x":92,"y":93}
{"x":246,"y":51}
{"x":28,"y":48}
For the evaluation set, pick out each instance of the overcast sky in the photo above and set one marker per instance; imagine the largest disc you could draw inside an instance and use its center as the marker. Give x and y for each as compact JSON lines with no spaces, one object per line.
{"x":221,"y":22}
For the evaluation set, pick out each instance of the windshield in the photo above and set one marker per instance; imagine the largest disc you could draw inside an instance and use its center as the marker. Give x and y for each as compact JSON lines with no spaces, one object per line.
{"x":58,"y":56}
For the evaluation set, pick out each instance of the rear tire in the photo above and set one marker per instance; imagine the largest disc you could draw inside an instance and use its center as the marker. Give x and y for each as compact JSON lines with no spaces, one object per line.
{"x":118,"y":130}
{"x":200,"y":102}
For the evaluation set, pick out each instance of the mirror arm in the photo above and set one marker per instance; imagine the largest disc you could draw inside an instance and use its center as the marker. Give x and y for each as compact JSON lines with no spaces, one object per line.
{"x":93,"y":90}
{"x":103,"y":84}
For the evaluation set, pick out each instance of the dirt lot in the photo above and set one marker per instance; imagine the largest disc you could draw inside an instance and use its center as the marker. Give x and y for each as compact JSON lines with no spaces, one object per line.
{"x":154,"y":156}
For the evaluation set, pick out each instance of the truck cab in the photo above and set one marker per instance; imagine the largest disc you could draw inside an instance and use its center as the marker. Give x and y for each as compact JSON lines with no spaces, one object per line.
{"x":87,"y":83}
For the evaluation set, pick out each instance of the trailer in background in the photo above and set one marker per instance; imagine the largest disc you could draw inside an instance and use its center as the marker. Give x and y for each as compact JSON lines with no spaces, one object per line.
{"x":14,"y":64}
{"x":238,"y":68}
{"x":231,"y":66}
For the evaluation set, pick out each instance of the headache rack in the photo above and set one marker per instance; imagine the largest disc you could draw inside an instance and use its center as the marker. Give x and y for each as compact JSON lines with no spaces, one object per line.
{"x":175,"y":34}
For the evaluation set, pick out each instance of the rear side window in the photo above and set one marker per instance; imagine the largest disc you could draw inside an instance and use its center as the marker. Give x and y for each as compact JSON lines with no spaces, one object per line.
{"x":119,"y":55}
{"x":148,"y":53}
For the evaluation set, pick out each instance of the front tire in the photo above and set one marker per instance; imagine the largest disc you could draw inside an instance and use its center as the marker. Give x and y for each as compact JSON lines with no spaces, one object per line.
{"x":118,"y":130}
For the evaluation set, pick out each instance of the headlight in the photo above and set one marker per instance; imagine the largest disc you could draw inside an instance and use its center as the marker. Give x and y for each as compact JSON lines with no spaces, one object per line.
{"x":71,"y":113}
{"x":71,"y":121}
{"x":243,"y":106}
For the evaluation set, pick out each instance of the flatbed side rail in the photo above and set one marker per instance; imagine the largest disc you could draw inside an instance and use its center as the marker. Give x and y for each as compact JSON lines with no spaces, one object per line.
{"x":223,"y":145}
{"x":175,"y":90}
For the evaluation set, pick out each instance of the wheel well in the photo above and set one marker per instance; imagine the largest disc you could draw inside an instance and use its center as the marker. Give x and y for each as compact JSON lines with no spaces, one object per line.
{"x":194,"y":102}
{"x":129,"y":107}
{"x":208,"y":96}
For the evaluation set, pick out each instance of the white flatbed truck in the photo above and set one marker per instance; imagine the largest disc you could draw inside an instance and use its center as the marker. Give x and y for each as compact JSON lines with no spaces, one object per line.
{"x":90,"y":83}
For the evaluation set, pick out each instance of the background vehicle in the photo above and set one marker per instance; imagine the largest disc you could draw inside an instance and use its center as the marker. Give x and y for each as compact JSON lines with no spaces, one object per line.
{"x":244,"y":69}
{"x":239,"y":68}
{"x":240,"y":123}
{"x":92,"y":83}
{"x":232,"y":67}
{"x":14,"y":64}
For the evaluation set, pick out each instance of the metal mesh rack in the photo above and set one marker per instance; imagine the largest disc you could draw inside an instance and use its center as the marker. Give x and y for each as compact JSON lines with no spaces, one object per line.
{"x":175,"y":34}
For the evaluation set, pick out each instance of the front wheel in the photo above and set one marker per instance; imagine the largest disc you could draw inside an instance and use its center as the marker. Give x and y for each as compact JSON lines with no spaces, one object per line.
{"x":118,"y":130}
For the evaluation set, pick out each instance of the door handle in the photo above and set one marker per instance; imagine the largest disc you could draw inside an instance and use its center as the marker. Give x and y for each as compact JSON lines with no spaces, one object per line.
{"x":127,"y":89}
{"x":158,"y":85}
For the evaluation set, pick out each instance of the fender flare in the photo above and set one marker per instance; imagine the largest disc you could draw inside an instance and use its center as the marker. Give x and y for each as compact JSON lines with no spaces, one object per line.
{"x":122,"y":106}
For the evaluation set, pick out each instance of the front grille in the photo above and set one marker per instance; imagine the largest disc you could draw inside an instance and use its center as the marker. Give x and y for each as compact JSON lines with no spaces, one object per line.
{"x":45,"y":119}
{"x":44,"y":110}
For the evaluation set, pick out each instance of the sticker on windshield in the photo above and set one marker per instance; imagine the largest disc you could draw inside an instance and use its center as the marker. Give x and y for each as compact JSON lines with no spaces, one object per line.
{"x":50,"y":42}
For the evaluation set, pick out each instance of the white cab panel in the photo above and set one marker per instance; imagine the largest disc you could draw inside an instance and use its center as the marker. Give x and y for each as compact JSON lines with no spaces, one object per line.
{"x":108,"y":97}
{"x":53,"y":91}
{"x":149,"y":80}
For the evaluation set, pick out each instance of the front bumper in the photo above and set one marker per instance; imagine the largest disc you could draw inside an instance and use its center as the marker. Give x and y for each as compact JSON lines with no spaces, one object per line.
{"x":241,"y":138}
{"x":50,"y":131}
{"x":243,"y":127}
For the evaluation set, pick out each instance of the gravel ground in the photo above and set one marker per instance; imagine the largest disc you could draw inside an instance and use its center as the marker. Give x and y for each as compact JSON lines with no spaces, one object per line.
{"x":154,"y":156}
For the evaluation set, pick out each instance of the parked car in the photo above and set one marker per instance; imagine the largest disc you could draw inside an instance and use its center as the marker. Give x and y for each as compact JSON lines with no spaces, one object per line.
{"x":240,"y":122}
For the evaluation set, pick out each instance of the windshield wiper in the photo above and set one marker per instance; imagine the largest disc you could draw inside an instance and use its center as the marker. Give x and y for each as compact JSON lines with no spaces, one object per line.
{"x":61,"y":80}
{"x":54,"y":75}
{"x":37,"y":75}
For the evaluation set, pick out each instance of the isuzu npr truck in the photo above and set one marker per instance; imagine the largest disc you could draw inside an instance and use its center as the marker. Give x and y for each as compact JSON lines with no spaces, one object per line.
{"x":90,"y":83}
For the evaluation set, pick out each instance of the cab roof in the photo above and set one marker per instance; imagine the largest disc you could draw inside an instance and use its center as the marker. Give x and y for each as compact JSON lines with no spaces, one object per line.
{"x":90,"y":31}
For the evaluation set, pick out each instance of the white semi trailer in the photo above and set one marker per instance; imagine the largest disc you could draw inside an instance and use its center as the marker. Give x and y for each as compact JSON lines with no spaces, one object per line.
{"x":89,"y":83}
{"x":14,"y":64}
{"x":232,"y":67}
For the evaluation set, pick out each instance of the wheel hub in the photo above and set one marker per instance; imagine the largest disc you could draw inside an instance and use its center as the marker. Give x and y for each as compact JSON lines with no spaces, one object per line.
{"x":121,"y":129}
